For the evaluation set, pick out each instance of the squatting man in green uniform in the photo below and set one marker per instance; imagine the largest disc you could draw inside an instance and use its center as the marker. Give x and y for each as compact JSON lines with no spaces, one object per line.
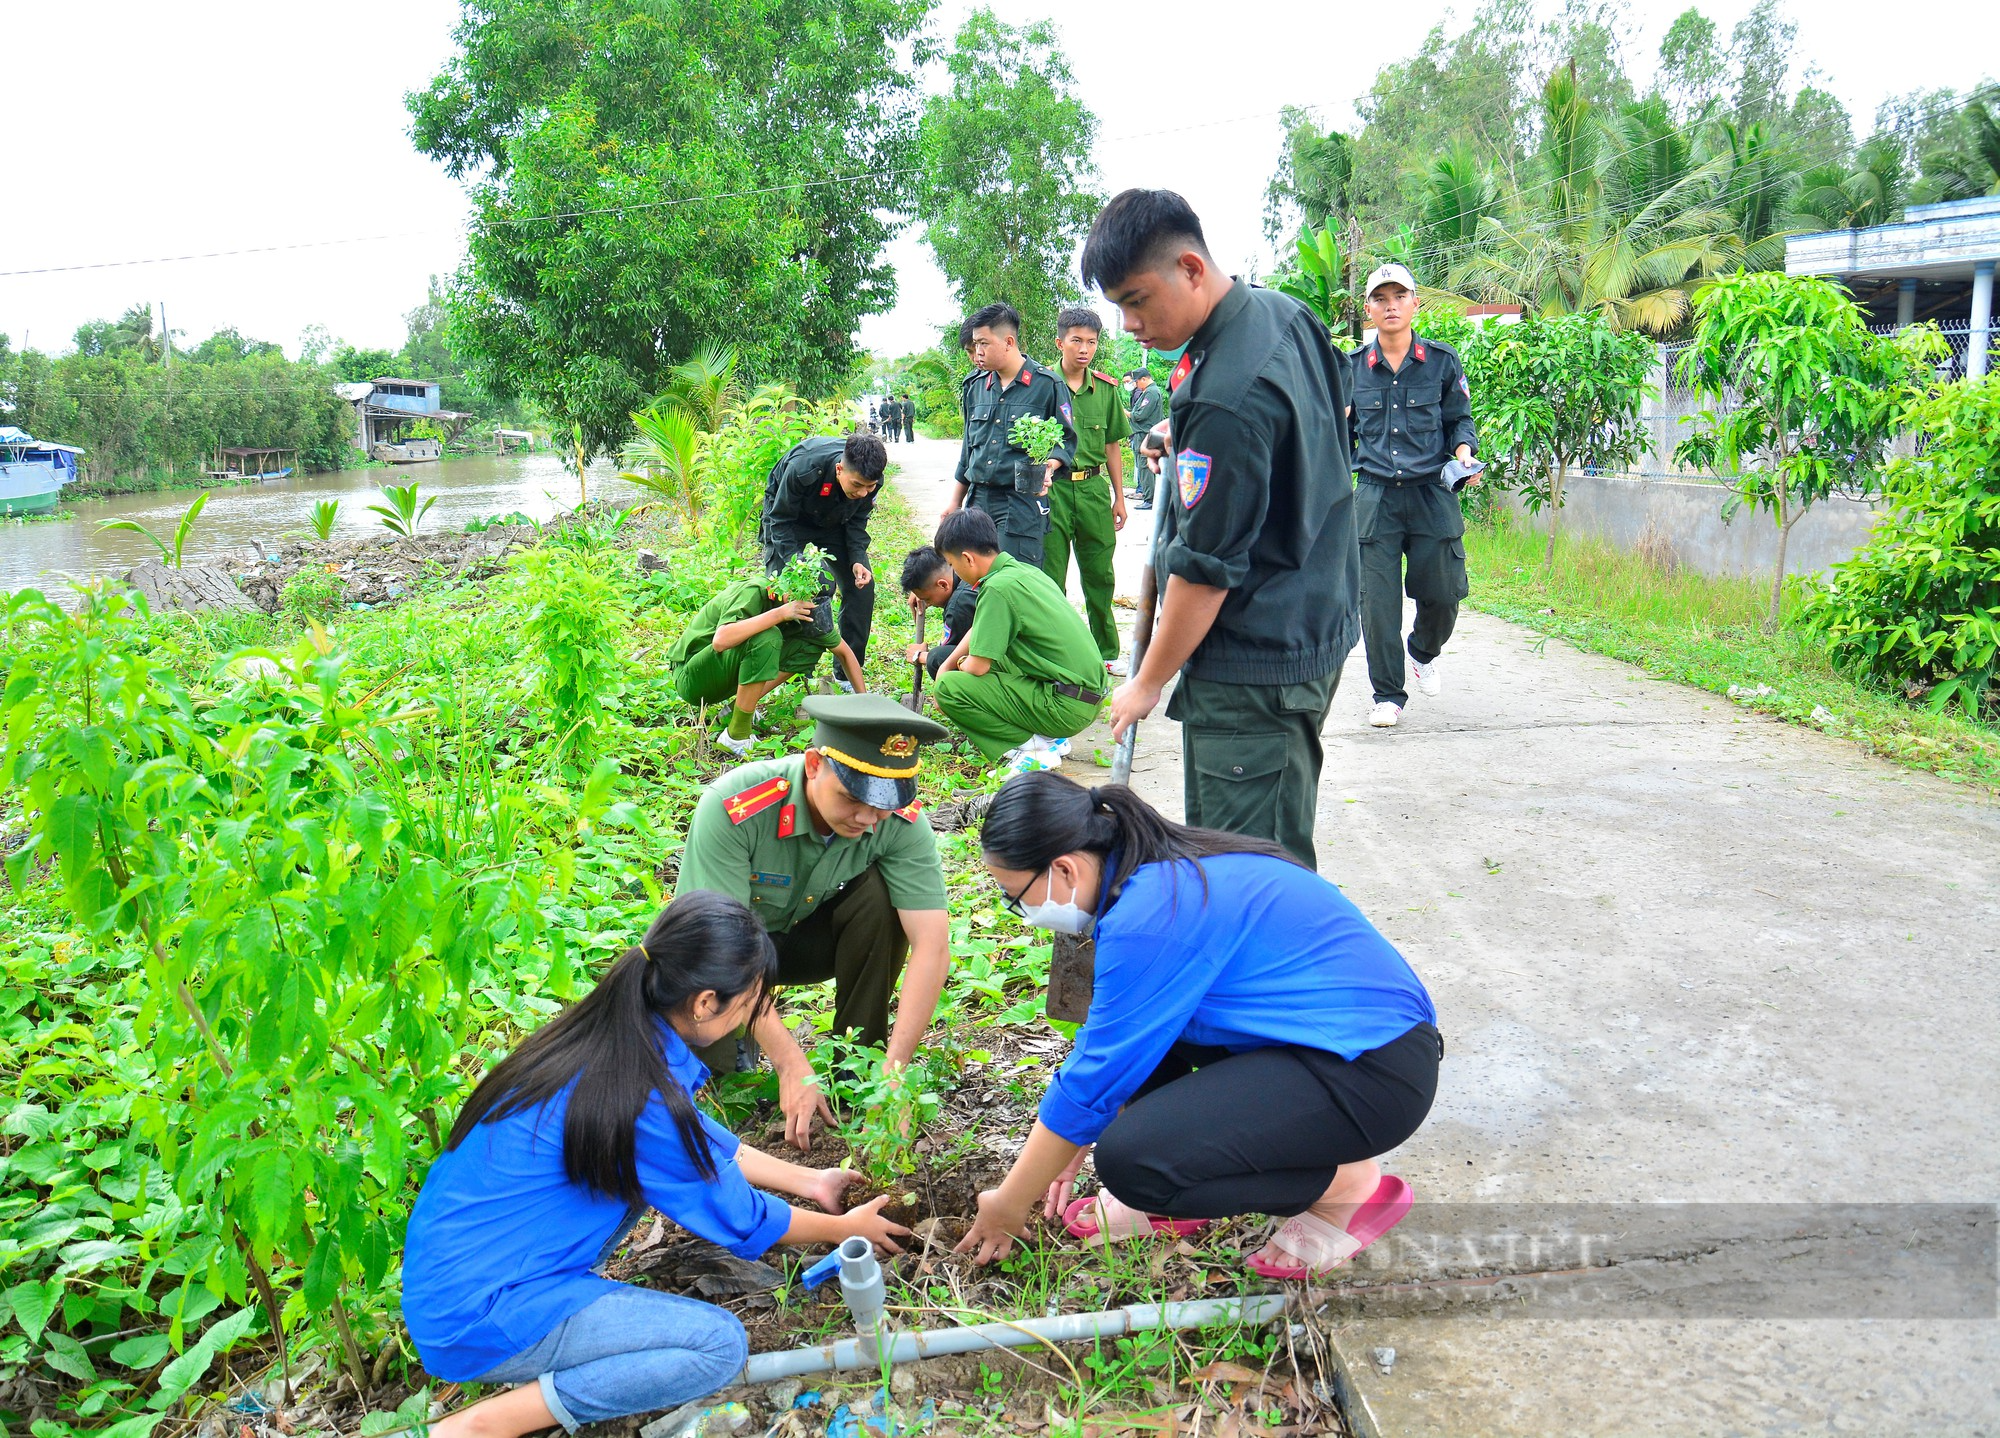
{"x":1026,"y":678}
{"x":1087,"y":509}
{"x":994,"y":473}
{"x":831,"y":850}
{"x":823,"y":492}
{"x":1412,"y":417}
{"x":744,"y":643}
{"x":1255,"y":542}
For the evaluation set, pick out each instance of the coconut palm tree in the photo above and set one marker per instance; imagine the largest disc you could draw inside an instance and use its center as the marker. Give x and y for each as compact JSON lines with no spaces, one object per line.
{"x":1868,"y":192}
{"x":667,"y":457}
{"x":1970,"y":165}
{"x":1625,"y":219}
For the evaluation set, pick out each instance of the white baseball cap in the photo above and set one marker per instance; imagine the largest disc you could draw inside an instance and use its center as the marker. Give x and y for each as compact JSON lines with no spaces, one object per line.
{"x":1390,"y":274}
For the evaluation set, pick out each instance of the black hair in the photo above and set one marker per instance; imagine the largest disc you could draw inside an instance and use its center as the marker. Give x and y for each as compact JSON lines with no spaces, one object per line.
{"x":1076,"y":317}
{"x":965,"y":333}
{"x":966,"y":531}
{"x":920,"y":567}
{"x":1038,"y":817}
{"x":865,"y":456}
{"x":1139,"y":374}
{"x":1140,"y":230}
{"x":608,"y":1042}
{"x":997,"y":316}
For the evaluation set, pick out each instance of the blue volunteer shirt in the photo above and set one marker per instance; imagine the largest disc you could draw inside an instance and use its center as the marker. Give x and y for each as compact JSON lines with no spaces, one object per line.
{"x":501,"y":1243}
{"x":1275,"y":955}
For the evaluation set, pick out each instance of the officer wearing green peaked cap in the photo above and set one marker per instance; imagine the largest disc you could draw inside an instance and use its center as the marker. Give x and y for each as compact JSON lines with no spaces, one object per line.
{"x":831,"y":849}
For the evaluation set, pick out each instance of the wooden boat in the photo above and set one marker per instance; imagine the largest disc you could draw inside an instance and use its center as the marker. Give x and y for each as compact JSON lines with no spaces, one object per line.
{"x":408,"y":451}
{"x":243,"y":464}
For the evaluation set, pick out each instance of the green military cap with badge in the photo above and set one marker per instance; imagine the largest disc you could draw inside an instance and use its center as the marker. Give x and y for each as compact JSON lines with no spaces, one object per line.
{"x":873,"y":744}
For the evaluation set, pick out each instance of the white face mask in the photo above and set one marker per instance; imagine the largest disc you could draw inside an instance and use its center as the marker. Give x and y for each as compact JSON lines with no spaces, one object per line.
{"x":1064,"y":918}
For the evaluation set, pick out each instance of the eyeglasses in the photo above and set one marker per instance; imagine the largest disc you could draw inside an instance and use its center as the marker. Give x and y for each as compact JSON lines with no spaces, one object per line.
{"x":1013,"y":901}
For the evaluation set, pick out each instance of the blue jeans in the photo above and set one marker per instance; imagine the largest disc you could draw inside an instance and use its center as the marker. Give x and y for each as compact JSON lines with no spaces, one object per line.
{"x":631,"y":1351}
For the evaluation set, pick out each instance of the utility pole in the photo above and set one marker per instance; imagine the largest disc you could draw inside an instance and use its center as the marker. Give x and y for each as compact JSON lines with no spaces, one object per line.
{"x":166,"y":337}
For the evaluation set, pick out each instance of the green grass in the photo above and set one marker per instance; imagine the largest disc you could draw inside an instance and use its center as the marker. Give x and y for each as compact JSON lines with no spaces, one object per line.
{"x":1708,"y":632}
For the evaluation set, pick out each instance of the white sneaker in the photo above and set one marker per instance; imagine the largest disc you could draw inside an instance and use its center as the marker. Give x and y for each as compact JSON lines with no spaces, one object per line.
{"x":1026,"y":760}
{"x":1116,"y":668}
{"x":1042,"y":744}
{"x":1384,"y":715}
{"x":1430,"y":679}
{"x":735,"y":746}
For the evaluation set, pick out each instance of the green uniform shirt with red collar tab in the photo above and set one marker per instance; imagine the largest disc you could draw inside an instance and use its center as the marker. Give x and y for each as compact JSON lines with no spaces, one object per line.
{"x":988,"y":456}
{"x":1258,"y":494}
{"x":752,"y":838}
{"x":1098,"y":411}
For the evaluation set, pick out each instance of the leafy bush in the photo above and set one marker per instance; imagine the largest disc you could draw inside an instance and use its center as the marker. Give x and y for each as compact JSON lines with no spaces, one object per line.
{"x":1919,"y":605}
{"x":574,"y":626}
{"x":292,"y":980}
{"x":313,"y":593}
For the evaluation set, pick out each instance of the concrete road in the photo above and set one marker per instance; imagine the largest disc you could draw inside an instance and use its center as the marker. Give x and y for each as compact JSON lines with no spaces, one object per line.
{"x":1682,"y":955}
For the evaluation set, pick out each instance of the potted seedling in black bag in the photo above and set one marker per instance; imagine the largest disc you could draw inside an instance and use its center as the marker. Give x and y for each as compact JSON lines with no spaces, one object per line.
{"x":808,"y":577}
{"x":1039,"y":437}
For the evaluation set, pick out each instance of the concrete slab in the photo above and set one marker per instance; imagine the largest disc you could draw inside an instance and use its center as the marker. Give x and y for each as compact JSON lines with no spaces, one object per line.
{"x":1681,"y":954}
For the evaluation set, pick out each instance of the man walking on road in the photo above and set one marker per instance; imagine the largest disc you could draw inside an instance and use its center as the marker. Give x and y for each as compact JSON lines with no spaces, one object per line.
{"x":1412,"y":415}
{"x":823,"y":492}
{"x":1149,"y":407}
{"x":994,"y":473}
{"x":1087,"y":509}
{"x":1254,"y":543}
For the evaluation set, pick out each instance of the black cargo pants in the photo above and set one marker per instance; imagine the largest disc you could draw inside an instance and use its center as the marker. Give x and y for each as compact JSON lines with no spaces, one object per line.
{"x":1412,"y":534}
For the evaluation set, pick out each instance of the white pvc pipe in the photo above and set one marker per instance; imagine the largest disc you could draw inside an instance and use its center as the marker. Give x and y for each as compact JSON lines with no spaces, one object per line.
{"x":850,"y":1353}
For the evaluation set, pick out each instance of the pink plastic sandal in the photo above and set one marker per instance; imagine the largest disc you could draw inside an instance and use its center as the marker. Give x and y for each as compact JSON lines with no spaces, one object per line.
{"x":1321,"y":1247}
{"x":1088,"y":1219}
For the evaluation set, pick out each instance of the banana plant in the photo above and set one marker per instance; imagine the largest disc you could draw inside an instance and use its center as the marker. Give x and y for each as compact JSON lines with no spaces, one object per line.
{"x":1319,"y":280}
{"x":170,"y":555}
{"x":402,"y":514}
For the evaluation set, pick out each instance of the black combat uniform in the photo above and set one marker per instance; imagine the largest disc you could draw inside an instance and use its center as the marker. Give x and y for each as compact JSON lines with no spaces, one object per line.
{"x":1408,"y":423}
{"x":957,"y":623}
{"x":1149,"y":407}
{"x":1258,"y":498}
{"x":1003,"y":480}
{"x":804,"y":504}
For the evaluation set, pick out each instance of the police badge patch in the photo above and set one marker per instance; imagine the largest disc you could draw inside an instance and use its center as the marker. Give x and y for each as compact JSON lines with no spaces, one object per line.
{"x":1193,"y":471}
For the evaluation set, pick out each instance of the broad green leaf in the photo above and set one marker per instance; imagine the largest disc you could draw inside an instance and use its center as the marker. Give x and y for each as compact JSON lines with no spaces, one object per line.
{"x":33,"y":1303}
{"x":141,"y":1352}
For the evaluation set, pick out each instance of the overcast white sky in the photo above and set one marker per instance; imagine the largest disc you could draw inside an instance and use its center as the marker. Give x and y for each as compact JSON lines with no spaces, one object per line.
{"x":140,"y":130}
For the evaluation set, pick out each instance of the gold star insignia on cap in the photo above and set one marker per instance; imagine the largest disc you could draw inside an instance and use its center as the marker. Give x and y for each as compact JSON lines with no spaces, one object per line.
{"x":900,"y":746}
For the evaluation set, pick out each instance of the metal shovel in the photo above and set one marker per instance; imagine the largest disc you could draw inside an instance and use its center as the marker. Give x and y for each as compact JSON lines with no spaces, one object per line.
{"x":1073,"y":963}
{"x":914,"y":700}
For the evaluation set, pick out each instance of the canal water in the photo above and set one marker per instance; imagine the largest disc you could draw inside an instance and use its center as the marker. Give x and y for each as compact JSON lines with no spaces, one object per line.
{"x":46,"y":554}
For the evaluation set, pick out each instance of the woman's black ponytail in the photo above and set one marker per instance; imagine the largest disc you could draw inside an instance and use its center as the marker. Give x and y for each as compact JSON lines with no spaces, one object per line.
{"x":608,"y":1042}
{"x":1038,"y":817}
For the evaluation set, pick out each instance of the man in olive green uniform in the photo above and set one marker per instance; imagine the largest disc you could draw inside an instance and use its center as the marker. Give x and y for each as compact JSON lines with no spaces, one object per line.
{"x":1255,"y":547}
{"x":1087,"y":509}
{"x":744,"y":643}
{"x":1026,"y":678}
{"x":994,"y":473}
{"x":831,"y":850}
{"x":1412,"y":417}
{"x":823,"y":492}
{"x":1149,"y":407}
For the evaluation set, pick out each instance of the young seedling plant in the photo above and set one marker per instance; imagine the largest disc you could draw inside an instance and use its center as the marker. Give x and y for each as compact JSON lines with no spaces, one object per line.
{"x":324,"y":514}
{"x":170,"y":555}
{"x":1039,"y":437}
{"x":402,"y":514}
{"x":805,"y":576}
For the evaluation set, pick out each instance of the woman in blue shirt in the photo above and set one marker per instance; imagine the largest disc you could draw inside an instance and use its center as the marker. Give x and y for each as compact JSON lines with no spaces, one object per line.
{"x":554,"y":1157}
{"x":1253,"y":1043}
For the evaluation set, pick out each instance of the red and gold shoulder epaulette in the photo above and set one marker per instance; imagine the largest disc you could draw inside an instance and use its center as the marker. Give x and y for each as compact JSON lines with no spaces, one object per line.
{"x":1103,"y":376}
{"x":910,"y":810}
{"x":757,"y":798}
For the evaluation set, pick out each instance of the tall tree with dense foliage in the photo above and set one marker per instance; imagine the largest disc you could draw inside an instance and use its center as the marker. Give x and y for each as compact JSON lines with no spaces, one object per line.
{"x":1965,"y":161}
{"x":1008,"y":189}
{"x":649,"y":178}
{"x":1805,"y":398}
{"x":1314,"y":181}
